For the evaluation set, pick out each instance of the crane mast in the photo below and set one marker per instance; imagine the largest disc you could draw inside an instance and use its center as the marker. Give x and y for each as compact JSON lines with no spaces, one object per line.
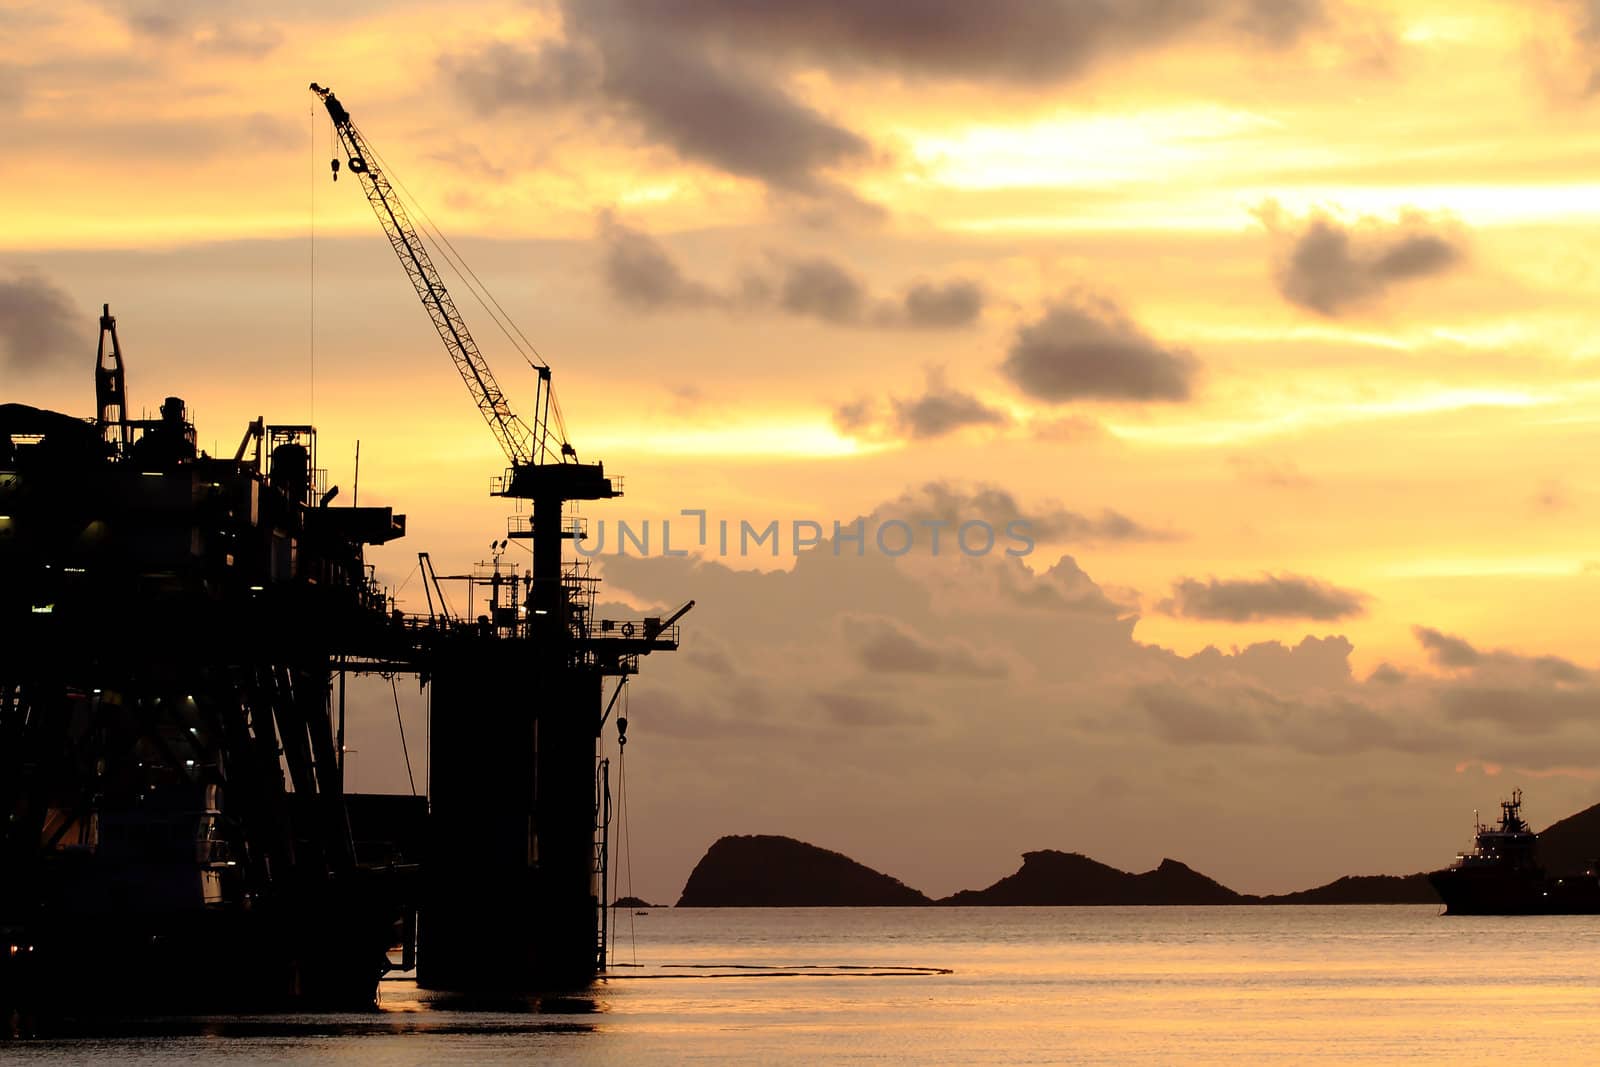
{"x":532,"y":476}
{"x":514,"y":883}
{"x":521,"y":444}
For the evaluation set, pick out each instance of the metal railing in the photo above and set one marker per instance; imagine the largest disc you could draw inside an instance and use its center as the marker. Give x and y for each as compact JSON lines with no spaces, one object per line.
{"x":521,"y":525}
{"x":647,"y":629}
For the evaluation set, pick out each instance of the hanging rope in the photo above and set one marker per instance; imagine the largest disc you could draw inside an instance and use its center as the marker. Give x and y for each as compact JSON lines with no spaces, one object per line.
{"x":311,"y":311}
{"x":393,"y":689}
{"x":625,"y":842}
{"x":410,"y":576}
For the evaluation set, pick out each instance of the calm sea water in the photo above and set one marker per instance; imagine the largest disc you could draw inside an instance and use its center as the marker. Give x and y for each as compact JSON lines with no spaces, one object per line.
{"x":1030,"y":985}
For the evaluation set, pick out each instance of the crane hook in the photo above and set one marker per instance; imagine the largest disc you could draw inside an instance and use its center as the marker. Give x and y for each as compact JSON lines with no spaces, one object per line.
{"x":334,"y":163}
{"x":622,"y":730}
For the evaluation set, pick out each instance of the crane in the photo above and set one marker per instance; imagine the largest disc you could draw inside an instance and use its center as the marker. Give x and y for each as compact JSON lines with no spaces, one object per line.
{"x":523,"y":445}
{"x":547,"y":839}
{"x":544,"y":466}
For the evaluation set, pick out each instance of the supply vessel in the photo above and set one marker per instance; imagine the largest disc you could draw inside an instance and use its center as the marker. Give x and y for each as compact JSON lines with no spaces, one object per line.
{"x":1502,"y":875}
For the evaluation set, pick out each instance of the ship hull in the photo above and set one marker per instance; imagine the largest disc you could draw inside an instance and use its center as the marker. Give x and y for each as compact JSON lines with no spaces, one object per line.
{"x":1528,"y":892}
{"x":226,"y":961}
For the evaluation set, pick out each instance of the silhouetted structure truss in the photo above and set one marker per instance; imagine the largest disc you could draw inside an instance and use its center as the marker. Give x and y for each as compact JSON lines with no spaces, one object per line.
{"x":177,"y":630}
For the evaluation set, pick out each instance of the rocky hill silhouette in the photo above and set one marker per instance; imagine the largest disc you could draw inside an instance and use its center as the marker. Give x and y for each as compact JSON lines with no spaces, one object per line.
{"x":1055,"y":879}
{"x":772,"y":871}
{"x":1569,"y":846}
{"x":1362,"y":889}
{"x":761,"y":871}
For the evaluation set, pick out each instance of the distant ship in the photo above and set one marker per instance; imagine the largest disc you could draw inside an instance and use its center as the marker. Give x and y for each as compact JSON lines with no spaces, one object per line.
{"x":1502,"y":874}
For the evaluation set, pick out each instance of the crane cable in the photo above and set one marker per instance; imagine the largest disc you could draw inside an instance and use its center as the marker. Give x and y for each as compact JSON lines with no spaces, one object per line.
{"x":624,"y":841}
{"x":311,"y":266}
{"x":413,"y":574}
{"x":402,"y":724}
{"x":485,"y":298}
{"x":434,"y":234}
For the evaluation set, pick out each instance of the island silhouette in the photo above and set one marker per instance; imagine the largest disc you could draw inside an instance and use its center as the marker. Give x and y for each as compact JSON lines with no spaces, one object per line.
{"x":764,"y":870}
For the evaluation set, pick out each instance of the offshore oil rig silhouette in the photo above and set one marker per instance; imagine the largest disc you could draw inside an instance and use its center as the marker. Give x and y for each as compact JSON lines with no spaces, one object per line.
{"x":178,"y":630}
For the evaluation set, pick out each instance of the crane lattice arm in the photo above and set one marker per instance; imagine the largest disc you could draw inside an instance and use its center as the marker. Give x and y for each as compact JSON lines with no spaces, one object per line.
{"x":521,"y":444}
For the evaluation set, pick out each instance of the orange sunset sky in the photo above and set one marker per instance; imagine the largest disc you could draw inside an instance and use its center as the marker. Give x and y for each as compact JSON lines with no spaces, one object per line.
{"x":1275,"y":316}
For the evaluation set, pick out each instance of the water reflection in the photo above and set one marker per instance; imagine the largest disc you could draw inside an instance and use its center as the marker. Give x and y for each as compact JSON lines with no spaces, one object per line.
{"x":402,"y":1009}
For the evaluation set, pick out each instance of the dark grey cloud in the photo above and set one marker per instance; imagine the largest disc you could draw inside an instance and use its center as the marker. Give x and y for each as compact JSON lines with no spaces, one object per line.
{"x":502,"y":75}
{"x":856,"y":417}
{"x":11,"y":88}
{"x":1182,"y":717}
{"x":1314,"y":663}
{"x":1028,"y":42}
{"x":1280,"y":23}
{"x":852,"y":709}
{"x":1065,"y":587}
{"x":713,"y":660}
{"x":937,"y":411}
{"x":1227,"y":714}
{"x":954,"y":303}
{"x":1504,"y":710}
{"x":39,"y":324}
{"x":822,"y":289}
{"x":1331,"y":267}
{"x":1086,"y":348}
{"x":1387,"y":674}
{"x":1583,"y":17}
{"x":1557,"y":670}
{"x":954,"y":504}
{"x":1522,"y":710}
{"x":1445,"y":649}
{"x":941,"y":411}
{"x":732,"y":118}
{"x":1282,"y":596}
{"x":640,"y":272}
{"x":196,"y":23}
{"x":708,"y":79}
{"x":717,"y":110}
{"x":887,"y":646}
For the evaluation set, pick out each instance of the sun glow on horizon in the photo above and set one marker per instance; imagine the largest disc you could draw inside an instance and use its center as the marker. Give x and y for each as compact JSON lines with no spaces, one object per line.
{"x":1283,"y":418}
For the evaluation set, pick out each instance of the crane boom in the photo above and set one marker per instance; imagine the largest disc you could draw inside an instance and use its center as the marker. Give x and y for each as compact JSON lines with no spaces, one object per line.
{"x":521,"y":444}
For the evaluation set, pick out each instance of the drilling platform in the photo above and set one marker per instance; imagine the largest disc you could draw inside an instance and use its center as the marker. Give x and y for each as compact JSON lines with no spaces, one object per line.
{"x":178,"y":632}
